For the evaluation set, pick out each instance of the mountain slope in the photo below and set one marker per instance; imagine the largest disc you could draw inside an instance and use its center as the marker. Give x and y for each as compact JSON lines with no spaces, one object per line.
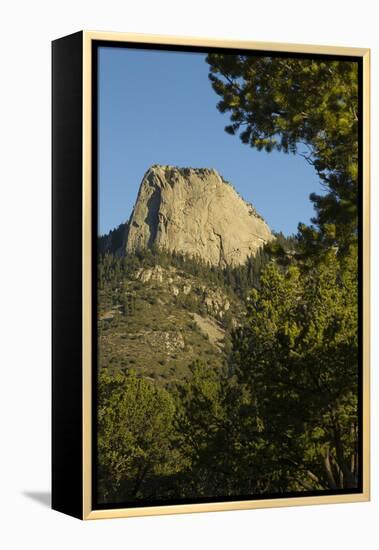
{"x":157,"y":319}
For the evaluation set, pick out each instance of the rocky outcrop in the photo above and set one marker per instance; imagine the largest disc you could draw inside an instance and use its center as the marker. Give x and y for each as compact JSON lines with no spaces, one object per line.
{"x":215,"y":301}
{"x":197,"y":213}
{"x":212,"y":300}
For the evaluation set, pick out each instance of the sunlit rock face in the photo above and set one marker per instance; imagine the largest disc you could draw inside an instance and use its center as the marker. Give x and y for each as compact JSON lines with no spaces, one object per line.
{"x":194,"y":211}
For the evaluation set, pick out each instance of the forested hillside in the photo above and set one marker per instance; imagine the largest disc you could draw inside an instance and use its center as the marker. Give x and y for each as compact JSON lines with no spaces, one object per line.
{"x":205,"y":374}
{"x":157,"y":311}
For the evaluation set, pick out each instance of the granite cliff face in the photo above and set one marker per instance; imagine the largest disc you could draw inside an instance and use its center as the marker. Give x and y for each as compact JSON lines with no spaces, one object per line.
{"x":195,"y":212}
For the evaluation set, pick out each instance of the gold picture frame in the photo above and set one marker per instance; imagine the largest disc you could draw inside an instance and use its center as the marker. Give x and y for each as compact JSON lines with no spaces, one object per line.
{"x":77,"y":50}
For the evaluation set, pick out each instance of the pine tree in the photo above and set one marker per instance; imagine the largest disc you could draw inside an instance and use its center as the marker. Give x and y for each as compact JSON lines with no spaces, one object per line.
{"x":297,"y":356}
{"x":303,"y":106}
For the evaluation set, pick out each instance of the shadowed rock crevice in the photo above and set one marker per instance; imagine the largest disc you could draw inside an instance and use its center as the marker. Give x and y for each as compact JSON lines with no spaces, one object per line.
{"x":152,"y":219}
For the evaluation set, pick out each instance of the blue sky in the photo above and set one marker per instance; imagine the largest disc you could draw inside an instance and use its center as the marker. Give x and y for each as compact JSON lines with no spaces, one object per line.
{"x":159,"y":108}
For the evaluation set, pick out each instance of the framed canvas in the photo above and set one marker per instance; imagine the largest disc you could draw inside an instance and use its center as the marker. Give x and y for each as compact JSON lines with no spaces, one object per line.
{"x":210,"y":275}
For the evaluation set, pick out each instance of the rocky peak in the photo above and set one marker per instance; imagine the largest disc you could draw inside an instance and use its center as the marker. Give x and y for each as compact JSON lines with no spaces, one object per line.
{"x":194,"y":211}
